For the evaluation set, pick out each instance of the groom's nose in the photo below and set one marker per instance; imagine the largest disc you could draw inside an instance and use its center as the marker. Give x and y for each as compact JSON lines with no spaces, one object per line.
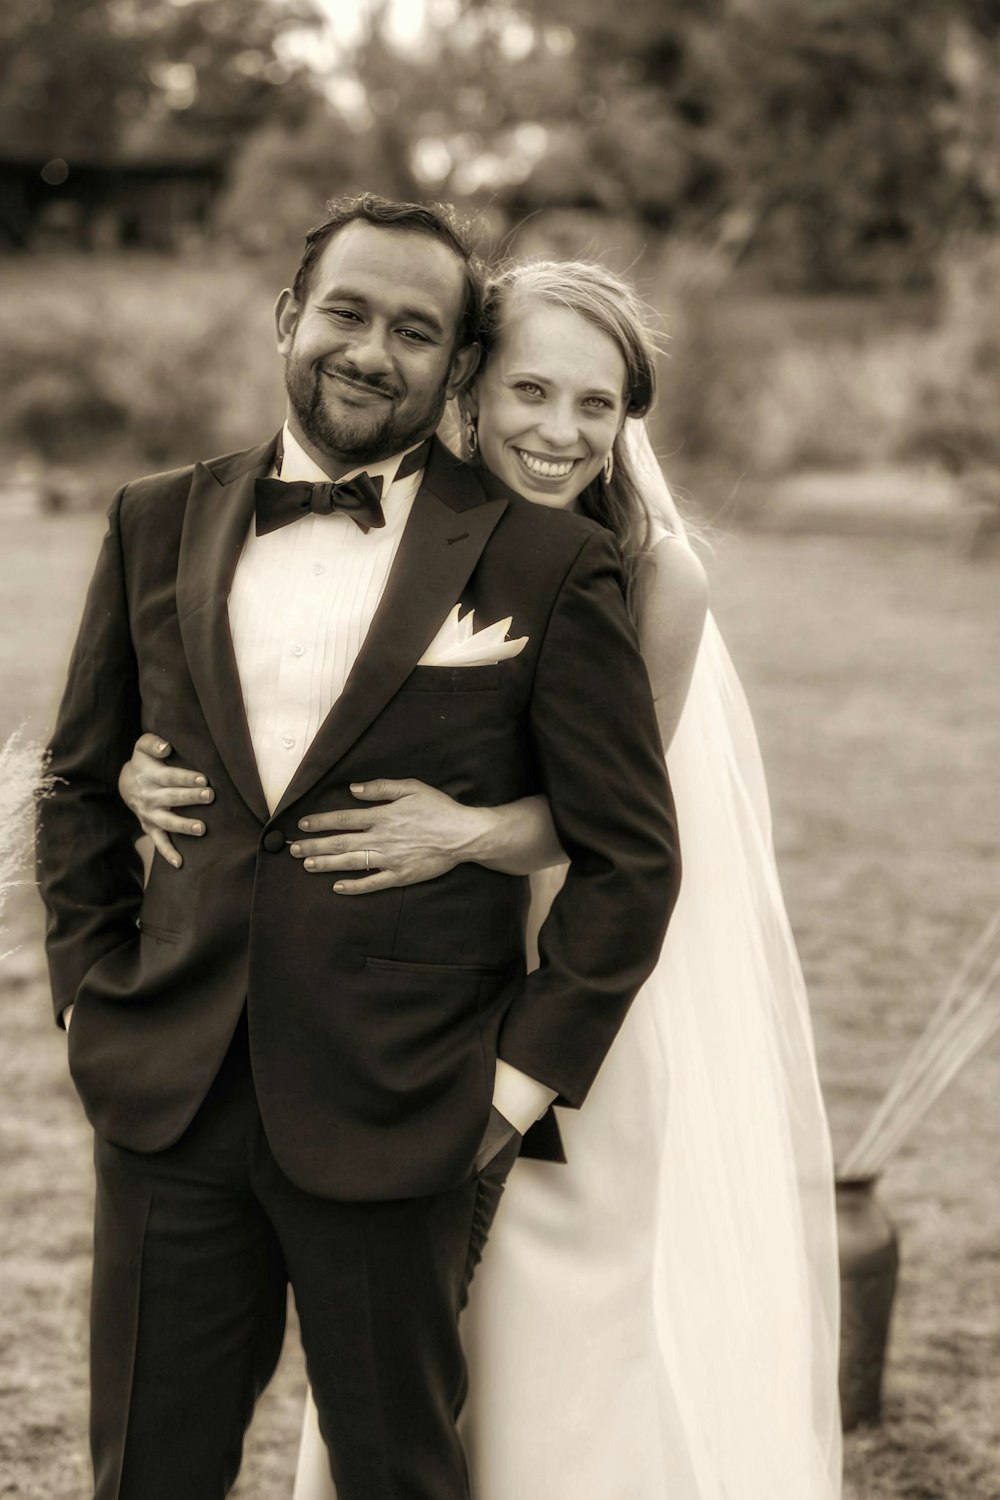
{"x":368,"y":350}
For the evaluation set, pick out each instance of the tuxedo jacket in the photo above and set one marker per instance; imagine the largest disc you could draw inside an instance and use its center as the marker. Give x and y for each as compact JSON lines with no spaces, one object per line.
{"x":374,"y":1022}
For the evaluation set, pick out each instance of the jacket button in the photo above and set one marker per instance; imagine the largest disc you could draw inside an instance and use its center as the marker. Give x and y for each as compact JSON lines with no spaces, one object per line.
{"x":274,"y":841}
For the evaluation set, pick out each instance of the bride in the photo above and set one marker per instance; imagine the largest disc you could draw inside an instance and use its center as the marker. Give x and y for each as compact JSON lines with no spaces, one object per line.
{"x":657,"y":1317}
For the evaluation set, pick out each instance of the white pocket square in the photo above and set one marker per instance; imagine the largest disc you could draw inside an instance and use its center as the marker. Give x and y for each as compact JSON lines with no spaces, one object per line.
{"x":458,"y":644}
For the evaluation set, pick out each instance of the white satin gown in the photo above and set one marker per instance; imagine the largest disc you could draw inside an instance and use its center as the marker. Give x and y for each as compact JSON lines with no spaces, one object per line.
{"x":657,"y":1319}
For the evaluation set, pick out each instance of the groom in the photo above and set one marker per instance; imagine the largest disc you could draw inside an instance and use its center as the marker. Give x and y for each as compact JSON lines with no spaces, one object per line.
{"x":288,"y":1086}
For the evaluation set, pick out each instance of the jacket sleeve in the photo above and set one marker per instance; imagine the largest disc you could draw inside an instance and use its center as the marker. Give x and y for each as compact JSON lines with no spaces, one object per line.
{"x":89,"y":872}
{"x":602,"y":768}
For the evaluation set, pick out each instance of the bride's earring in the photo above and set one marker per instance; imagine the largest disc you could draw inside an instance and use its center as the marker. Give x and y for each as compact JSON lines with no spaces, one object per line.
{"x":607,"y":473}
{"x":471,"y":437}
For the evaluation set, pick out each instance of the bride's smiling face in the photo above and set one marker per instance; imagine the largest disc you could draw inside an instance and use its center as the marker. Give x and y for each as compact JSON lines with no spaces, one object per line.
{"x":550,"y":402}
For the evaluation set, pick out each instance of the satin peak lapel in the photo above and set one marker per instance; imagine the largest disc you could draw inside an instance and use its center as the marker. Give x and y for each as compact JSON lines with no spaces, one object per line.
{"x":437,"y":554}
{"x":216,"y":522}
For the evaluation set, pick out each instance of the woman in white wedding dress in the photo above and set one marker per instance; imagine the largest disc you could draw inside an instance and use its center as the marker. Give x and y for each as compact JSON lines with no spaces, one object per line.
{"x":655,"y":1319}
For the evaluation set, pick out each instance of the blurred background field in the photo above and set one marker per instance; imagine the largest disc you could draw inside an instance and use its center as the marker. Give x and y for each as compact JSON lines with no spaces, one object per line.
{"x":806,"y":196}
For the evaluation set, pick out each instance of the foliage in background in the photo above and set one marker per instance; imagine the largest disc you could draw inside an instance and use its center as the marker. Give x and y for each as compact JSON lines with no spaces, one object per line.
{"x":717,"y":150}
{"x":765,"y":385}
{"x":834,"y":144}
{"x":840,"y":142}
{"x":283,"y":174}
{"x":104,"y":368}
{"x":90,"y":80}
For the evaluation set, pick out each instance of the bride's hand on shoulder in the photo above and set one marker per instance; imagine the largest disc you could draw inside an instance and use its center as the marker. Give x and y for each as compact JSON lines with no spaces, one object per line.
{"x":153,"y":790}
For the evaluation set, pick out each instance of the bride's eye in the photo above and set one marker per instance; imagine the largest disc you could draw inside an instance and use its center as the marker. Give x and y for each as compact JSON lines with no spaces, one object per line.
{"x":528,"y":388}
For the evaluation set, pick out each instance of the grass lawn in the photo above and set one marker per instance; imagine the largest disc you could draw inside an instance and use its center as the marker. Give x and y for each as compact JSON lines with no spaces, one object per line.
{"x":870,"y":665}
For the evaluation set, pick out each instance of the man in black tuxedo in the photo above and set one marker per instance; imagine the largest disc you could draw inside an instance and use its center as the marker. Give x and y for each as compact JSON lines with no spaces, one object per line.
{"x":286,"y":1085}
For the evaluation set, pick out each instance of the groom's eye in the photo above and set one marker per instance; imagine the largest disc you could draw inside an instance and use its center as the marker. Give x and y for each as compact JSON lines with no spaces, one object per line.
{"x":413,"y":335}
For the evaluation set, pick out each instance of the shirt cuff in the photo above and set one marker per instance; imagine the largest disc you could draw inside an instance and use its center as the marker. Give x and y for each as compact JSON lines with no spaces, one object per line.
{"x":520,"y":1099}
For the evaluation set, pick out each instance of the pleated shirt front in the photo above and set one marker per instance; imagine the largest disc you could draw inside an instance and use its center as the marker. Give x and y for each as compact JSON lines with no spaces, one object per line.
{"x":301,"y":605}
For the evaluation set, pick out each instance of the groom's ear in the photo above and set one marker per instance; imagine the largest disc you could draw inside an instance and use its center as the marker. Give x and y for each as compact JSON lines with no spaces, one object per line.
{"x":286,"y":318}
{"x":463,"y":366}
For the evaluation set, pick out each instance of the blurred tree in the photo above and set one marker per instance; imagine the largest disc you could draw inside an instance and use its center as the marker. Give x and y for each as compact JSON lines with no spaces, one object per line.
{"x":834,"y":142}
{"x":285,"y":171}
{"x":458,"y":113}
{"x":92,"y":79}
{"x":840,"y":141}
{"x":60,"y":78}
{"x":439,"y":119}
{"x":843,"y":140}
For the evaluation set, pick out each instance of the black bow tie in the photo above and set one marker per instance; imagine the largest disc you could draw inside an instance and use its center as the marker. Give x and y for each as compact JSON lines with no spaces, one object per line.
{"x":278,"y":503}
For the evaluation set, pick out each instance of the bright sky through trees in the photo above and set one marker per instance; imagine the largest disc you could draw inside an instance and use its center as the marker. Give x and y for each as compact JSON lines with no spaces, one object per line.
{"x":405,"y":19}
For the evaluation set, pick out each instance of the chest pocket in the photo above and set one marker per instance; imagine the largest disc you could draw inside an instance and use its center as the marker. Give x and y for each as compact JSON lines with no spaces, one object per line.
{"x":484,"y":679}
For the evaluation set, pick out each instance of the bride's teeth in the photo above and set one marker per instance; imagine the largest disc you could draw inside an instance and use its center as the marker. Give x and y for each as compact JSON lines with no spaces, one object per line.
{"x":544,"y":469}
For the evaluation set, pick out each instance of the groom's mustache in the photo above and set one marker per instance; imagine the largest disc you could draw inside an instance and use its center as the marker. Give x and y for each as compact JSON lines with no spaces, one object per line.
{"x":356,"y":377}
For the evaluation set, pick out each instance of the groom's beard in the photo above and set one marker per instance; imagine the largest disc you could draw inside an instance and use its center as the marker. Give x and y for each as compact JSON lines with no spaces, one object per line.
{"x":366,"y":436}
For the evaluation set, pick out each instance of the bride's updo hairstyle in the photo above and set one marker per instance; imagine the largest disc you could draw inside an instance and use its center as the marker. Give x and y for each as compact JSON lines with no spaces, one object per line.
{"x":610,"y":304}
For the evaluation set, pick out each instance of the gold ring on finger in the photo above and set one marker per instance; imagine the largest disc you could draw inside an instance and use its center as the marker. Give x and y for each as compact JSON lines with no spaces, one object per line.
{"x":368,"y":860}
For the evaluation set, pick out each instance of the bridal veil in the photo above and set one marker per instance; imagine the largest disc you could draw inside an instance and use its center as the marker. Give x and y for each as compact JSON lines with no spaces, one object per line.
{"x":746,"y":1265}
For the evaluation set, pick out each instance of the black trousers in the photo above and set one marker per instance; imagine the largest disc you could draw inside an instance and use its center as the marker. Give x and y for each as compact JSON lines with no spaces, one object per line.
{"x":194,"y":1250}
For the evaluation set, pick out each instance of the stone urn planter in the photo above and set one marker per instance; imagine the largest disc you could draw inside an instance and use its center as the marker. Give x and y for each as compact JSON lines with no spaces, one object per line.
{"x":869,"y":1258}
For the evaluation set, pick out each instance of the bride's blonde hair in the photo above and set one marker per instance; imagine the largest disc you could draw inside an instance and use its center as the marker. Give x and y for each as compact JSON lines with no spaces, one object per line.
{"x":610,"y":304}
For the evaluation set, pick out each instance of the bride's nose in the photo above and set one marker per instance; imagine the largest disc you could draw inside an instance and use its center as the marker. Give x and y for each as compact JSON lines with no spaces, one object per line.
{"x":557,"y":426}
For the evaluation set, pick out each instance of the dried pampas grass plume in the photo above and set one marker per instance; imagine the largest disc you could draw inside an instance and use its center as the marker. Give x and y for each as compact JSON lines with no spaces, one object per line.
{"x":23,"y":779}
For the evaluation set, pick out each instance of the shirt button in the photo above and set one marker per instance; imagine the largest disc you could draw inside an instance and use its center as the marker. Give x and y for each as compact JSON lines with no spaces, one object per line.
{"x":319,"y":568}
{"x":288,"y":741}
{"x":298,"y":649}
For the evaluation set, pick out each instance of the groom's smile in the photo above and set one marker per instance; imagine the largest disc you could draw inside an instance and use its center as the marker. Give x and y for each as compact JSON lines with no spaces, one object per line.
{"x":356,"y":391}
{"x":370,"y":350}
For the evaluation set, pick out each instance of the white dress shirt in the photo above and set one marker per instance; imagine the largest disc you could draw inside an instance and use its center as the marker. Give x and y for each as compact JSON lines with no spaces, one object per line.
{"x":301,"y":604}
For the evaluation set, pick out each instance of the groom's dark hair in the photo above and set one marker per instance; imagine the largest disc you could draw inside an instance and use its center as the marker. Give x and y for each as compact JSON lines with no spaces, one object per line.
{"x":436,"y":219}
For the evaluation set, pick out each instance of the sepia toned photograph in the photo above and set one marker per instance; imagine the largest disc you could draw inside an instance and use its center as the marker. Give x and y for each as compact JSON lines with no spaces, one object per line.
{"x":499,"y":733}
